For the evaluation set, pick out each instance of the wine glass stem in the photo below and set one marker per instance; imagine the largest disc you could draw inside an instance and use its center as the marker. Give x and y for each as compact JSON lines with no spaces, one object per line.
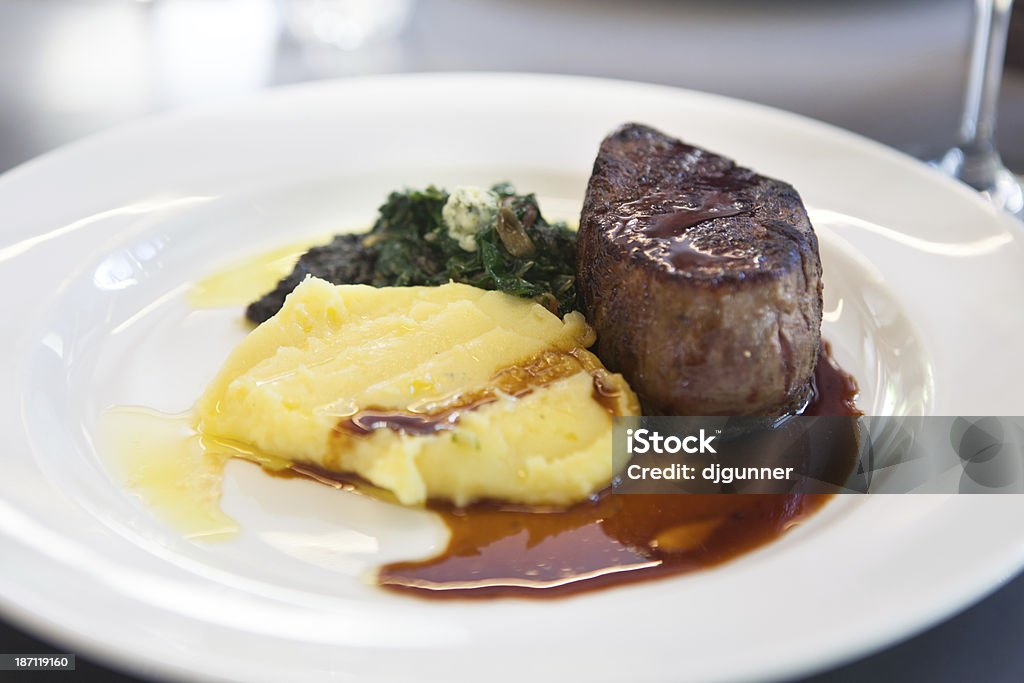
{"x":981,"y":163}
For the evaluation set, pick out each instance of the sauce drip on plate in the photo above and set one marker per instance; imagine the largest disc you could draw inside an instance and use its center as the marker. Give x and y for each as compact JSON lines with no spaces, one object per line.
{"x":500,"y":550}
{"x":496,"y":549}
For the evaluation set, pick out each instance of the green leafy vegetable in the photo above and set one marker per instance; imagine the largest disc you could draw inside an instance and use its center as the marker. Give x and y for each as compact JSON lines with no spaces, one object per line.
{"x":514,"y":250}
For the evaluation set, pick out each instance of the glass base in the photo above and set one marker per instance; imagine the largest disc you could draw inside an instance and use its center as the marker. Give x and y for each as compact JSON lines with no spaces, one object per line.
{"x":986,"y":174}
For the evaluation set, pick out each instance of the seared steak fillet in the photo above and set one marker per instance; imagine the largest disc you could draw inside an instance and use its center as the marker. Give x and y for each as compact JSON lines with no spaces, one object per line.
{"x":701,"y":278}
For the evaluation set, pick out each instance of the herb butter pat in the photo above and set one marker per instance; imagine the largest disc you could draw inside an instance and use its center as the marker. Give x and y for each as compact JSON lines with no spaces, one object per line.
{"x":468,"y":211}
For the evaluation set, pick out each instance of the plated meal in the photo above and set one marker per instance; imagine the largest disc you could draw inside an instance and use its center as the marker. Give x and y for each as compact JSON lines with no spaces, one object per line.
{"x":140,"y":284}
{"x":467,"y":355}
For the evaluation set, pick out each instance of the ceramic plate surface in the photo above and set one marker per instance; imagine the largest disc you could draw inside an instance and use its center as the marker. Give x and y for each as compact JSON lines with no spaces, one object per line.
{"x":101,"y":241}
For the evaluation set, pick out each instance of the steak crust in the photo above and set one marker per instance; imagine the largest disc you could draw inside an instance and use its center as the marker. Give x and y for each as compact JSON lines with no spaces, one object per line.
{"x":701,"y":278}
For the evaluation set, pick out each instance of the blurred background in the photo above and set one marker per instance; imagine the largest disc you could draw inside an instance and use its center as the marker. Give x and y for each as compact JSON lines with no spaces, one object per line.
{"x":892,"y":70}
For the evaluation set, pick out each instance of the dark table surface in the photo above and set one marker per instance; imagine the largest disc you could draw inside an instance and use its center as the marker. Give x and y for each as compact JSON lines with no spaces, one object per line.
{"x":865,"y":56}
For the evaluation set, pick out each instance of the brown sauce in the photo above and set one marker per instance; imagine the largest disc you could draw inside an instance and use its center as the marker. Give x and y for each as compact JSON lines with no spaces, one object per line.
{"x":662,"y":227}
{"x":612,"y":540}
{"x":683,"y":255}
{"x":499,"y":551}
{"x":517,"y":381}
{"x":680,"y":219}
{"x":833,"y":391}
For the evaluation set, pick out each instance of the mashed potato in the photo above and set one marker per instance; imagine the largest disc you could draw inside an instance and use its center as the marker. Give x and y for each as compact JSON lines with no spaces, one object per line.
{"x":447,"y":392}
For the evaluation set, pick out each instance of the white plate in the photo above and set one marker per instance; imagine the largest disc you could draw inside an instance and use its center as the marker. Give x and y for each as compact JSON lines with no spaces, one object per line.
{"x":101,"y":239}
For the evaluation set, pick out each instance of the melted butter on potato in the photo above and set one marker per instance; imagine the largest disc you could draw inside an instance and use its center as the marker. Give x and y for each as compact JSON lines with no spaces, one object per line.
{"x":447,"y":392}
